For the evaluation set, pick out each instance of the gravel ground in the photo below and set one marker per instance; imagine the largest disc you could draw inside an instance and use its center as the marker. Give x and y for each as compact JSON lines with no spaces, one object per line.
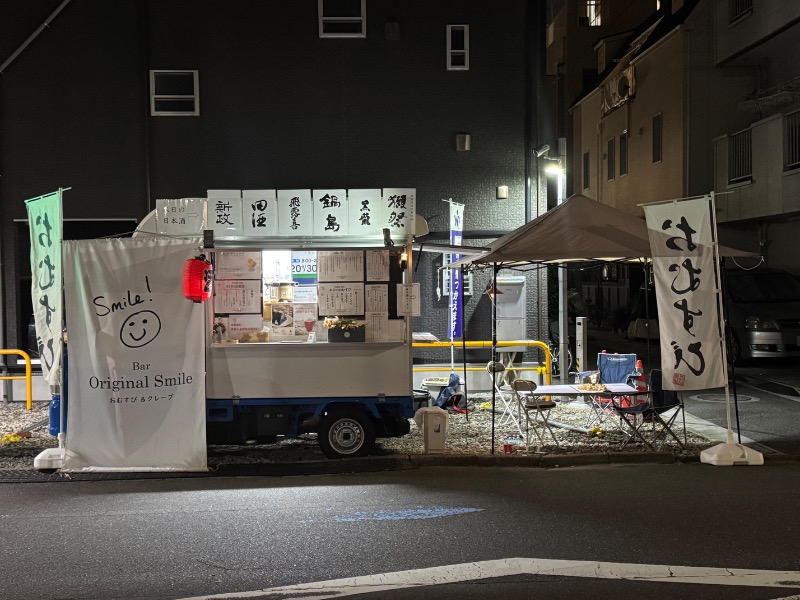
{"x":466,"y":435}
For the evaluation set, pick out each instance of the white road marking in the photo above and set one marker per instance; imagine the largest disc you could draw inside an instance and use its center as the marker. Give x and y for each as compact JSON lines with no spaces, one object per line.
{"x":351,"y":586}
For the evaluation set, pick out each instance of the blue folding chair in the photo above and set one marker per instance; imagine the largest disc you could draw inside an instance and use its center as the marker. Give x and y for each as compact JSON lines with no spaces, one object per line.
{"x":612,"y":368}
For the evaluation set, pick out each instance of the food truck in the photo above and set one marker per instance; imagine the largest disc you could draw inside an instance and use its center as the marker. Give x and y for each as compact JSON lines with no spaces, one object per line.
{"x":308,"y":324}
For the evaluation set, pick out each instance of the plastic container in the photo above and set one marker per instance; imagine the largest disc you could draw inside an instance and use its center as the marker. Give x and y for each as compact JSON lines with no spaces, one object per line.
{"x":433,"y":422}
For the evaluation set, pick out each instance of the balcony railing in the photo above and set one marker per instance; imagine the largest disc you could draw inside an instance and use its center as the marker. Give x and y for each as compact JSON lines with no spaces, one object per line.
{"x":740,"y":157}
{"x":791,"y":141}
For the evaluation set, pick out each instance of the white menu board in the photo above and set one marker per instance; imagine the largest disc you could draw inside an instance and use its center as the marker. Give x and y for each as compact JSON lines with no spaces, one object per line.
{"x":237,"y":265}
{"x":378,"y":265}
{"x":237,"y":295}
{"x":376,"y":298}
{"x":330,"y":213}
{"x":408,"y":300}
{"x":182,"y":216}
{"x":337,"y":299}
{"x":377,"y":327}
{"x":340,"y":265}
{"x":259,"y":213}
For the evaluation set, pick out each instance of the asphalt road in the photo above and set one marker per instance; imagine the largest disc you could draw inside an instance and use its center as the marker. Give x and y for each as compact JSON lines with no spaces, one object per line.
{"x":476,"y":532}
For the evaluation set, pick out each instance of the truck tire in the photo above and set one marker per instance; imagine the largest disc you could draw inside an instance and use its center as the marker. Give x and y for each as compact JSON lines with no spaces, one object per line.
{"x":345,"y":434}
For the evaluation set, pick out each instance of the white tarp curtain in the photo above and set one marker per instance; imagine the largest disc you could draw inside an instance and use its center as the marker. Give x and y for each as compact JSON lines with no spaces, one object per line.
{"x":682,"y":243}
{"x":44,"y":220}
{"x":136,"y":357}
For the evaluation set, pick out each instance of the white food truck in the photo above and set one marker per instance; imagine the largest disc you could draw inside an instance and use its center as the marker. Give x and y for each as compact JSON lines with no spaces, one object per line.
{"x":305,"y":333}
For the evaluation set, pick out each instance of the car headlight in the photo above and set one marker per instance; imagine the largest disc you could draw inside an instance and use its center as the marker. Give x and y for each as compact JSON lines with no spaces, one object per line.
{"x":753,"y":322}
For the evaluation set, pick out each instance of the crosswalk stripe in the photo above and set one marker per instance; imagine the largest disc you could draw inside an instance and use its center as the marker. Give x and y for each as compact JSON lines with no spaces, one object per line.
{"x":349,"y":586}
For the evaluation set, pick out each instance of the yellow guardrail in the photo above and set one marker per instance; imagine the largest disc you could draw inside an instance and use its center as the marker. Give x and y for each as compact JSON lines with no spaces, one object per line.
{"x":484,"y":344}
{"x":26,"y":377}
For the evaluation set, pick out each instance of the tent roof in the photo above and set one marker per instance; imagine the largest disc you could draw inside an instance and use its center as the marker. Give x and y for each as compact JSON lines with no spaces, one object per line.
{"x":579,"y":229}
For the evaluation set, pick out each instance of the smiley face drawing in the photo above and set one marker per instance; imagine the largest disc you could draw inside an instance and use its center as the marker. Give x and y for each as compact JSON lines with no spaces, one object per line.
{"x":140,"y":328}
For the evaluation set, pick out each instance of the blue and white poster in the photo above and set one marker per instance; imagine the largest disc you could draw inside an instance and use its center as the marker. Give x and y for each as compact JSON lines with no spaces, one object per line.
{"x":456,"y":285}
{"x":136,"y":374}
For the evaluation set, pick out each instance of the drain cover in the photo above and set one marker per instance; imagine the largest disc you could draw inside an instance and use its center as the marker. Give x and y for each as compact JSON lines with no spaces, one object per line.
{"x":741,"y":398}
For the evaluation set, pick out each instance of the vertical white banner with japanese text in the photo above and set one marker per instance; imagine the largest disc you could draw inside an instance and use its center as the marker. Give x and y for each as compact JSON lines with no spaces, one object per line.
{"x":44,"y":220}
{"x":137,"y":356}
{"x":682,"y":244}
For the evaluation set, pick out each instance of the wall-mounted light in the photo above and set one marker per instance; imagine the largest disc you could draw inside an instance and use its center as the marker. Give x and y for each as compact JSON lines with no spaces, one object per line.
{"x":463,"y":142}
{"x":553,"y":166}
{"x":502,"y":192}
{"x":403,"y":260}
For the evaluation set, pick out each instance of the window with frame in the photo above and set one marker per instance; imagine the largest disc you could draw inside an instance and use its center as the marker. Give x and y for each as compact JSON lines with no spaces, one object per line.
{"x":791,"y":141}
{"x":739,"y":9}
{"x":586,"y":170}
{"x":174,"y":93}
{"x":458,"y":47}
{"x":591,"y":13}
{"x":610,"y":156}
{"x":657,"y":137}
{"x":342,"y":18}
{"x":623,"y":153}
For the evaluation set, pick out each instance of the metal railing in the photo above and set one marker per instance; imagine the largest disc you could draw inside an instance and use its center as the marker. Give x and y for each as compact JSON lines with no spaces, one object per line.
{"x":26,"y":377}
{"x":488,"y":344}
{"x":740,"y":159}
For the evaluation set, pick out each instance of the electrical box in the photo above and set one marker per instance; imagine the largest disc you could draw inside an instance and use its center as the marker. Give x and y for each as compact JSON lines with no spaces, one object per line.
{"x":511,"y":313}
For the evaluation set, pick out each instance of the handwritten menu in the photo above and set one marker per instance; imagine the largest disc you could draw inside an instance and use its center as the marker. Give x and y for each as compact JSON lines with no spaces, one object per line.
{"x":376,"y":297}
{"x":340,"y":265}
{"x":238,"y":295}
{"x":378,"y":265}
{"x":408,"y":300}
{"x":336,"y":299}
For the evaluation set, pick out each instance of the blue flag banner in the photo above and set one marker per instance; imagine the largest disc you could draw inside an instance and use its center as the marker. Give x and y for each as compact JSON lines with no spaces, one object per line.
{"x":456,"y":285}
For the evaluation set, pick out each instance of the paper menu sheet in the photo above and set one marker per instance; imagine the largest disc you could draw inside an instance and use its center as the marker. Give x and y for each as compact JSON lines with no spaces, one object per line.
{"x":237,"y":295}
{"x":376,"y":298}
{"x":378,"y":265}
{"x":340,"y":265}
{"x":337,"y":299}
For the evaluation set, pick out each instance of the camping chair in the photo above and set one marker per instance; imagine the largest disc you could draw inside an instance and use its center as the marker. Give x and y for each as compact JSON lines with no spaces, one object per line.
{"x":511,"y":413}
{"x":637,"y":417}
{"x":537,"y":410}
{"x":611,"y":368}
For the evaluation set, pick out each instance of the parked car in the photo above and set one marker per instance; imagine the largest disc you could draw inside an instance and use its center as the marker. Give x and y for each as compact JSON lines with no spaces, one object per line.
{"x":763,"y":310}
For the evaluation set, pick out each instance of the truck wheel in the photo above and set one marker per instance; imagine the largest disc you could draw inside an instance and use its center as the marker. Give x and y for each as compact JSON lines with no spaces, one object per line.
{"x":346,"y":434}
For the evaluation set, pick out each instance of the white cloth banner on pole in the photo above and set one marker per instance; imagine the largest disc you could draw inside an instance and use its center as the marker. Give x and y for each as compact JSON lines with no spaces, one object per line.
{"x":136,"y":357}
{"x":682,"y":244}
{"x":44,"y":221}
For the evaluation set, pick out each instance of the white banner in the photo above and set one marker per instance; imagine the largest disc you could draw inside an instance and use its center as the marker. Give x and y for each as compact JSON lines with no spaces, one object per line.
{"x":44,"y":221}
{"x":682,"y":244}
{"x":136,"y":357}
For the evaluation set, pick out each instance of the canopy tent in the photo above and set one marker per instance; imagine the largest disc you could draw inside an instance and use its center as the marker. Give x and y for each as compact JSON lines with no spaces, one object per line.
{"x":579,"y":229}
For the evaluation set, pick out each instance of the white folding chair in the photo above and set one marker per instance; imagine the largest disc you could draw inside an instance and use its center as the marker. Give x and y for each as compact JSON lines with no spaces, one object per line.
{"x":537,"y":411}
{"x":511,"y":410}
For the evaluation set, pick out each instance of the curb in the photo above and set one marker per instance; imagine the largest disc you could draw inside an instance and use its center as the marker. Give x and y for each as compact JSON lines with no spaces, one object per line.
{"x":385,"y":463}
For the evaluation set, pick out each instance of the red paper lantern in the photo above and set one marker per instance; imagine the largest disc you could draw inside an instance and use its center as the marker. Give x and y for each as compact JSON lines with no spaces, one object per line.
{"x":197,"y":279}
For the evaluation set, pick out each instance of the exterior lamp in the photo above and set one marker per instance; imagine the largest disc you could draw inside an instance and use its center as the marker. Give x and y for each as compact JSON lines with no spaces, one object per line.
{"x":197,"y":279}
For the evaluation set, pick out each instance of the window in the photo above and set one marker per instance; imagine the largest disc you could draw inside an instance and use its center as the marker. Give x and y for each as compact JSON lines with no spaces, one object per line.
{"x":586,"y":170}
{"x":657,"y":125}
{"x":458,"y":47}
{"x":740,"y":168}
{"x":591,"y":10}
{"x":739,"y":9}
{"x":610,"y":157}
{"x":623,"y":153}
{"x":466,"y":284}
{"x":342,"y":18}
{"x":174,"y":93}
{"x":791,"y":141}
